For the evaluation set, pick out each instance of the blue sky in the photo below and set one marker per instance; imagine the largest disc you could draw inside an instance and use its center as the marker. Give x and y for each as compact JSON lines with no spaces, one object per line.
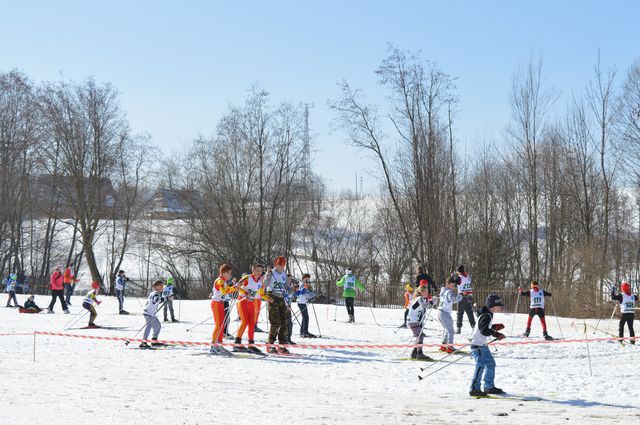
{"x":179,"y":64}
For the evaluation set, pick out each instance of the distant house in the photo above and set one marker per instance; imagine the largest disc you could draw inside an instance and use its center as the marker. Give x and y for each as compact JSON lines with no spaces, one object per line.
{"x":58,"y":194}
{"x":172,"y":203}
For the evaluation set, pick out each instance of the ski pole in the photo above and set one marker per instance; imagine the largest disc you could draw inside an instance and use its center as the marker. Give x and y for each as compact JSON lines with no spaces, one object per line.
{"x":316,"y":316}
{"x":371,"y":308}
{"x":198,"y":324}
{"x":421,"y":329}
{"x":145,"y":324}
{"x":513,"y":322}
{"x":615,"y":307}
{"x":68,"y":324}
{"x":557,"y":319}
{"x":420,"y":378}
{"x":422,"y":369}
{"x":77,"y":320}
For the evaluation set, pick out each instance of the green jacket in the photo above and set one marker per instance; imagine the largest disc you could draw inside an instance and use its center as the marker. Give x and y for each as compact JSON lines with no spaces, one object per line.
{"x":349,"y":282}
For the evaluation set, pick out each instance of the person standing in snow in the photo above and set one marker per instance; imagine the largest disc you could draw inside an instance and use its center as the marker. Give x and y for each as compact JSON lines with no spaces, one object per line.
{"x":349,"y":283}
{"x":69,"y":280}
{"x":422,"y":275}
{"x":485,"y":363}
{"x":627,"y":309}
{"x":57,"y":290}
{"x":88,"y":302}
{"x":10,"y":286}
{"x":447,"y":300}
{"x":536,"y":307}
{"x":408,"y":297}
{"x":305,"y":295}
{"x":277,"y":290}
{"x":169,"y":293}
{"x":415,"y":320}
{"x":249,"y":287}
{"x":121,"y":282}
{"x":221,"y":287}
{"x":154,"y":302}
{"x":463,"y":280}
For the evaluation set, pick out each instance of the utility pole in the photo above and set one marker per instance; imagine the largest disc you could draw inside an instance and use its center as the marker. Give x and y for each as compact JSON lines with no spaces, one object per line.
{"x":306,"y":144}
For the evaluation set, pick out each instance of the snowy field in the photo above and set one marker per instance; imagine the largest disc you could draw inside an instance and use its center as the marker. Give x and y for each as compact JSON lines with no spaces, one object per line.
{"x":77,"y":381}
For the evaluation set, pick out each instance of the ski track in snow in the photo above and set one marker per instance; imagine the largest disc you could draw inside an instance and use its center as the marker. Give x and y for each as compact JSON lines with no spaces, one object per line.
{"x":105,"y":382}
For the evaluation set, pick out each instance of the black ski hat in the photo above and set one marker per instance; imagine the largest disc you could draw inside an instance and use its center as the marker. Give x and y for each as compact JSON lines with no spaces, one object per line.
{"x":494,"y":300}
{"x":461,"y":268}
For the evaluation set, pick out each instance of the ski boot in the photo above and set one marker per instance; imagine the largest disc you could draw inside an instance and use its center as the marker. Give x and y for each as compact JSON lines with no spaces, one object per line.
{"x":174,"y":320}
{"x":477,"y":393}
{"x":253,"y":349}
{"x":271,"y":349}
{"x":310,"y":335}
{"x":66,"y":311}
{"x":526,"y":333}
{"x":459,"y":330}
{"x":404,"y":325}
{"x":93,"y":326}
{"x":166,"y":320}
{"x":450,"y":349}
{"x":282,"y":350}
{"x":421,"y":356}
{"x":547,"y":336}
{"x":352,"y":319}
{"x":124,"y":312}
{"x":144,"y":346}
{"x":214,"y":350}
{"x":414,"y":353}
{"x":493,"y":390}
{"x":155,"y":342}
{"x":238,"y":347}
{"x":257,"y":329}
{"x":51,"y":311}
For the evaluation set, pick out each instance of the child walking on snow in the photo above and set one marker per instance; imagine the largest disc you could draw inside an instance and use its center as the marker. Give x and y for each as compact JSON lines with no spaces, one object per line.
{"x":485,"y":363}
{"x":221,"y":287}
{"x":349,"y":282}
{"x":536,"y":307}
{"x":408,"y":296}
{"x":415,"y":319}
{"x":627,"y":309}
{"x":447,"y":300}
{"x":154,"y":302}
{"x":10,"y":286}
{"x":88,"y":302}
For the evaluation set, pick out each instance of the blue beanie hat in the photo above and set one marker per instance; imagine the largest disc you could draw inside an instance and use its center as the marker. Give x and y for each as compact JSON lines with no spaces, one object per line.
{"x":494,"y":300}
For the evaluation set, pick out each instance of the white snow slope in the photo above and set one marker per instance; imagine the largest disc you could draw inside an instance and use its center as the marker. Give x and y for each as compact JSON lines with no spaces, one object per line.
{"x":76,"y":381}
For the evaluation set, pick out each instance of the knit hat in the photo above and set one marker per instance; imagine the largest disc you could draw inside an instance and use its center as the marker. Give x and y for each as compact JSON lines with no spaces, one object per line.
{"x":408,"y":288}
{"x":95,"y":285}
{"x":170,"y":280}
{"x":494,"y":300}
{"x":461,"y":268}
{"x":424,"y":282}
{"x":626,"y":288}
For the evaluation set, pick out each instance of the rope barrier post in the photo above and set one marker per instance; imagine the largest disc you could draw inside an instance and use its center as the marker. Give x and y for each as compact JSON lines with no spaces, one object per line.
{"x":34,"y":346}
{"x":588,"y":353}
{"x":557,"y":319}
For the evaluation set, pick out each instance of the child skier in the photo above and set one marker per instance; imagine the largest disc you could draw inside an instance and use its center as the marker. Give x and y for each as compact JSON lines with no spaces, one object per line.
{"x":627,"y":309}
{"x":10,"y":286}
{"x":416,"y":317}
{"x":408,"y":296}
{"x":154,"y":302}
{"x":536,"y":307}
{"x":249,"y":288}
{"x":349,"y":282}
{"x":465,"y":289}
{"x":221,"y":287}
{"x":305,"y":295}
{"x":279,"y":309}
{"x":69,"y":280}
{"x":30,"y":306}
{"x":447,"y":299}
{"x":121,"y":282}
{"x":168,"y":293}
{"x":88,"y":301}
{"x":485,"y":363}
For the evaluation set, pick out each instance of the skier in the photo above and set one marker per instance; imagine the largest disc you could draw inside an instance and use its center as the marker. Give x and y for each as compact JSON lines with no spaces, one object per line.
{"x":485,"y":363}
{"x":57,"y":290}
{"x":249,"y":287}
{"x":447,"y":299}
{"x":169,"y":293}
{"x":627,"y":309}
{"x":88,"y":301}
{"x":276,"y":287}
{"x":121,"y":282}
{"x":154,"y":301}
{"x":349,"y":282}
{"x":30,"y":306}
{"x":221,"y":287}
{"x":305,"y":295}
{"x":408,"y":295}
{"x":536,"y":307}
{"x":465,"y":289}
{"x":10,"y":286}
{"x":416,"y":316}
{"x":69,"y":281}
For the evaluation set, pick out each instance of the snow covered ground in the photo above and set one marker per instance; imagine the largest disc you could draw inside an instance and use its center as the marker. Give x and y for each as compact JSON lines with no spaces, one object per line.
{"x":105,"y":382}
